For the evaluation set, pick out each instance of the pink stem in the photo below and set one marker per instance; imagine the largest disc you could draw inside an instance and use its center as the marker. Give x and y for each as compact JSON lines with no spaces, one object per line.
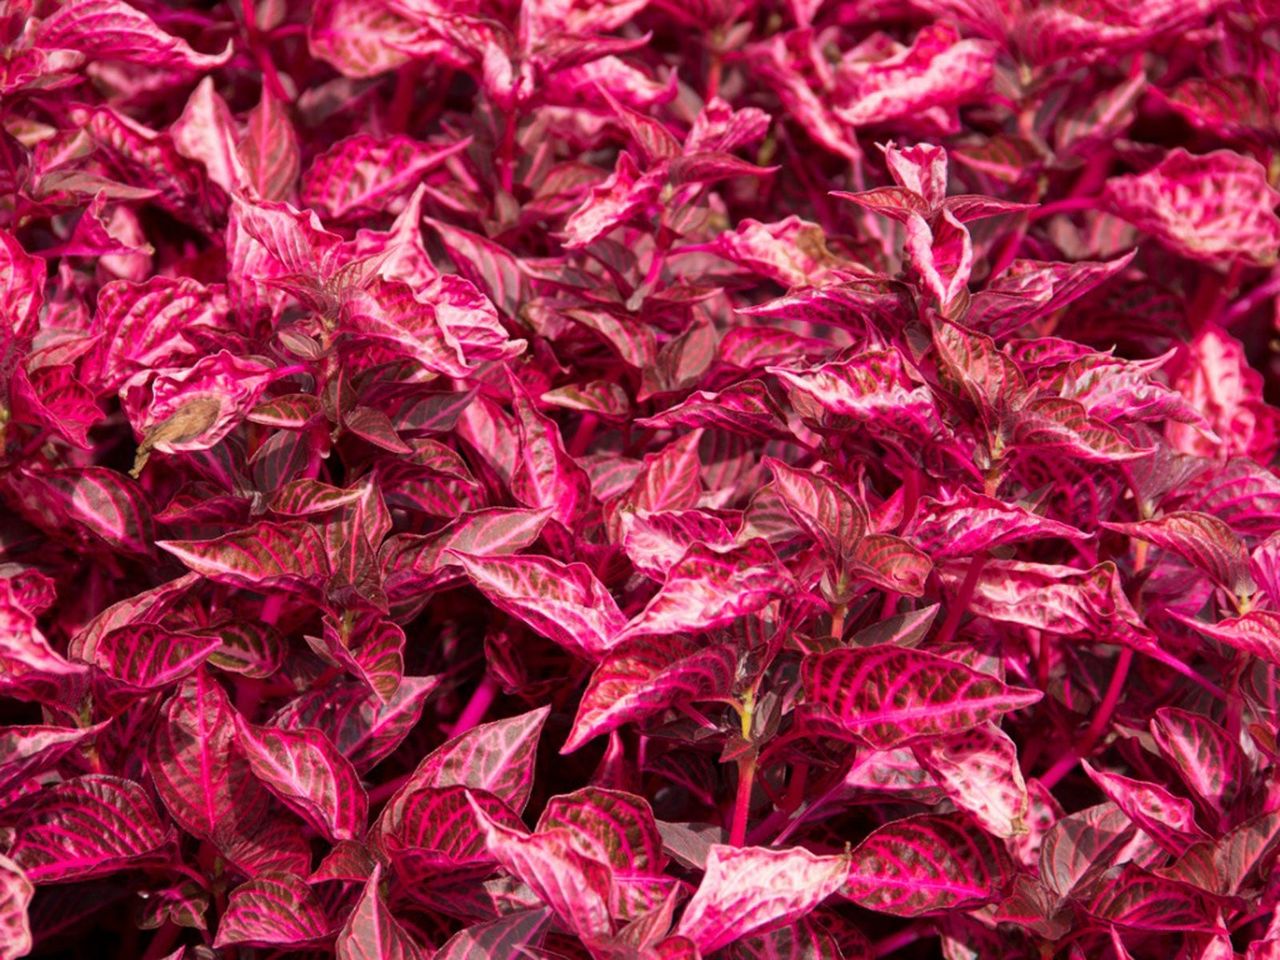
{"x":742,"y":802}
{"x":1099,"y":724}
{"x":961,"y":602}
{"x":896,"y":941}
{"x":1068,"y":205}
{"x":272,"y":607}
{"x":477,"y":706}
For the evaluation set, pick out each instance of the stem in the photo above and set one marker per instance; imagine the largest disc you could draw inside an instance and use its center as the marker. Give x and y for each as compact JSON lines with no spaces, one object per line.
{"x":961,"y":602}
{"x":837,"y":621}
{"x":401,"y":106}
{"x":163,"y":941}
{"x":272,"y":607}
{"x":1068,"y":205}
{"x":477,"y":706}
{"x":742,"y":802}
{"x":507,"y":159}
{"x":795,"y":789}
{"x":896,"y":941}
{"x":1098,"y":726}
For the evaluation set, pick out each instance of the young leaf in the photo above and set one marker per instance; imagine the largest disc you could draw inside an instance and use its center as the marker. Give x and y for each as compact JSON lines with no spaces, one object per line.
{"x":926,"y":863}
{"x":786,"y":885}
{"x":887,"y":695}
{"x":371,"y":932}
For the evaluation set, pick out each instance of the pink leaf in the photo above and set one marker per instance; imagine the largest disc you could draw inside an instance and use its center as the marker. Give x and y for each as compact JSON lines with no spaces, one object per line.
{"x":306,"y":771}
{"x":286,"y":556}
{"x":926,"y":863}
{"x":372,"y":933}
{"x":16,"y":892}
{"x":113,"y":30}
{"x":889,"y":695}
{"x":91,"y":826}
{"x":787,"y":884}
{"x":1204,"y":541}
{"x":275,"y":910}
{"x":564,"y":603}
{"x":1217,"y":207}
{"x":979,"y":770}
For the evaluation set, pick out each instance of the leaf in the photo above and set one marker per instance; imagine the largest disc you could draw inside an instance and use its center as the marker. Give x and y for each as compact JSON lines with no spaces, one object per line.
{"x":272,"y":911}
{"x":1169,"y":820}
{"x":1204,"y":541}
{"x":822,"y":508}
{"x":1223,"y":867}
{"x":372,"y":933}
{"x":269,"y":150}
{"x":1217,"y":207}
{"x":1144,"y":901}
{"x":415,"y":563}
{"x":495,"y":757}
{"x":499,"y":939}
{"x":26,"y":751}
{"x":979,"y":771}
{"x":1058,"y":599}
{"x":786,"y":885}
{"x":891,"y":563}
{"x":1256,"y":634}
{"x":926,"y":863}
{"x":1202,"y":753}
{"x":306,"y":771}
{"x":575,"y":886}
{"x":872,"y":388}
{"x":611,"y":826}
{"x":358,"y":723}
{"x":564,"y":603}
{"x":91,"y":826}
{"x":1080,"y":848}
{"x":707,"y":589}
{"x":969,"y":524}
{"x":107,"y":504}
{"x":267,"y":555}
{"x":648,"y":676}
{"x":16,"y":892}
{"x":364,"y":173}
{"x":113,"y":30}
{"x":148,"y":656}
{"x":207,"y":786}
{"x":888,"y":695}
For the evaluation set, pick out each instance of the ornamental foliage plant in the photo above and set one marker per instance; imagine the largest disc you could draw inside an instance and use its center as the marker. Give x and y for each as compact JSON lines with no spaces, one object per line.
{"x":639,"y":479}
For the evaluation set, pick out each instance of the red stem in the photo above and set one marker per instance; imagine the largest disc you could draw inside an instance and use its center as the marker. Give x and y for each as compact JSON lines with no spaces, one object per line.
{"x":1098,"y":726}
{"x":961,"y":602}
{"x":477,"y":706}
{"x":742,"y":802}
{"x":1067,"y":205}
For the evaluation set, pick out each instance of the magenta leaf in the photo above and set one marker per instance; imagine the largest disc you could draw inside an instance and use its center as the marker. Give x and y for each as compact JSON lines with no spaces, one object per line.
{"x":1203,"y":754}
{"x":363,"y":174}
{"x":1204,"y":541}
{"x":113,"y":30}
{"x":147,"y":656}
{"x":613,"y":827}
{"x":707,"y":589}
{"x":575,"y":886}
{"x":29,"y":750}
{"x":564,"y":603}
{"x":306,"y":771}
{"x":363,"y":728}
{"x":494,"y":757}
{"x":91,"y":826}
{"x":824,"y":510}
{"x":1225,"y":209}
{"x":979,"y":771}
{"x":499,"y":939}
{"x":1144,"y":901}
{"x":208,"y":787}
{"x":646,"y":677}
{"x":1169,"y":820}
{"x":16,"y":892}
{"x":282,"y":556}
{"x":371,"y":932}
{"x":791,"y":883}
{"x":888,"y":695}
{"x":926,"y":863}
{"x":274,"y":910}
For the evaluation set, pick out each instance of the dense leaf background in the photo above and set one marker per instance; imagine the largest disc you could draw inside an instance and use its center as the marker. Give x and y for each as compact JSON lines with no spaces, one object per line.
{"x":639,"y":479}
